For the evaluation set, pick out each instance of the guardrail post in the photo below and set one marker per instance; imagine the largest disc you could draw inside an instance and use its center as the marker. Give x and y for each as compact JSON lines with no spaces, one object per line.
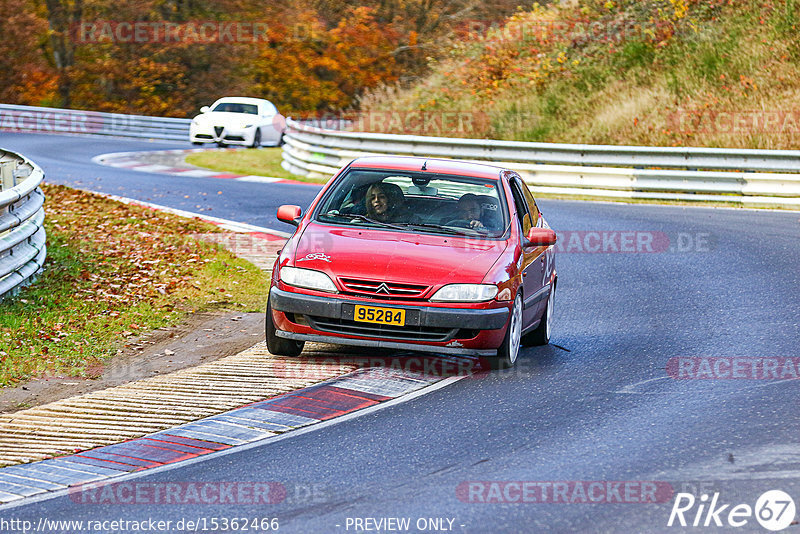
{"x":7,"y":177}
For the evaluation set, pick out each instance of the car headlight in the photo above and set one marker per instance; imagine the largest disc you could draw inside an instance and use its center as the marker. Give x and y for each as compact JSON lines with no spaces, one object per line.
{"x":307,"y":278}
{"x":248,"y":126}
{"x":465,"y":293}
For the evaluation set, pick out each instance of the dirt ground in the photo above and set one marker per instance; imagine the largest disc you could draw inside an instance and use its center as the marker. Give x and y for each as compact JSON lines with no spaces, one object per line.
{"x":201,"y":338}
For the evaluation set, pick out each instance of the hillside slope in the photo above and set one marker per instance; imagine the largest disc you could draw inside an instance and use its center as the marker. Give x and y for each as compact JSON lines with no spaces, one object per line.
{"x":643,"y":72}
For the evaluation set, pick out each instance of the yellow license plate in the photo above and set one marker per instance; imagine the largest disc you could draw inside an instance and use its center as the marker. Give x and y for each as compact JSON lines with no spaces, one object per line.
{"x":371,"y":314}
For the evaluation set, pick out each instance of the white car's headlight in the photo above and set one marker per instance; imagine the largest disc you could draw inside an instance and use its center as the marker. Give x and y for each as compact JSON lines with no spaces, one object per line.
{"x":307,"y":278}
{"x":248,"y":126}
{"x":465,"y":293}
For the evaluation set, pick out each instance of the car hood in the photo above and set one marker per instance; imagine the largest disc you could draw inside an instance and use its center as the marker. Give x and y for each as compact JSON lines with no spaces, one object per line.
{"x":396,"y":256}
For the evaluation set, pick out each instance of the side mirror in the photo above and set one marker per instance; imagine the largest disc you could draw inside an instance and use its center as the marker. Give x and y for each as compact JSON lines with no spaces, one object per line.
{"x":289,"y":214}
{"x":541,"y":237}
{"x":205,"y":109}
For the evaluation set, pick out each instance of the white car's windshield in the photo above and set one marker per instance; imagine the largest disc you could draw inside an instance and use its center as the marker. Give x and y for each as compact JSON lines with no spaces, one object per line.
{"x":419,"y":202}
{"x":234,"y":107}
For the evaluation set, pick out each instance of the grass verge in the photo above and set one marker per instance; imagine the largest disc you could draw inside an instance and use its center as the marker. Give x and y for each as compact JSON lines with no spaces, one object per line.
{"x":114,"y":271}
{"x":259,"y":162}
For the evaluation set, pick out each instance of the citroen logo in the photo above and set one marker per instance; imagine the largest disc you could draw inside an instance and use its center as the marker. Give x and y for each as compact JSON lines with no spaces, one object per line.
{"x":383,"y":288}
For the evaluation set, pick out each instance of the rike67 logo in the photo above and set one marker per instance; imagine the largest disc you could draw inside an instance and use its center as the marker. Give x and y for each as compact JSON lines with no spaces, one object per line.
{"x":774,"y":510}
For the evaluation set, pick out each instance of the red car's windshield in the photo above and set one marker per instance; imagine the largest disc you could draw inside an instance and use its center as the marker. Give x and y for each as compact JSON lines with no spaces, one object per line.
{"x":419,"y":202}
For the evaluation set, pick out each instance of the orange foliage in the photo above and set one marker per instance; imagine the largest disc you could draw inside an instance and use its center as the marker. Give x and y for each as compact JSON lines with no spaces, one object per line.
{"x":25,"y":77}
{"x":321,"y":55}
{"x":307,"y":67}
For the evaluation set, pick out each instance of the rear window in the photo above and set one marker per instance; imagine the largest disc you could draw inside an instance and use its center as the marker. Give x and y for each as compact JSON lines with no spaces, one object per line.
{"x":418,"y":202}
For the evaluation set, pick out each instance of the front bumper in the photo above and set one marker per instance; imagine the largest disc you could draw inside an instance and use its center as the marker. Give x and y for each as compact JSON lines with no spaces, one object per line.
{"x":428,"y":328}
{"x":229,"y":136}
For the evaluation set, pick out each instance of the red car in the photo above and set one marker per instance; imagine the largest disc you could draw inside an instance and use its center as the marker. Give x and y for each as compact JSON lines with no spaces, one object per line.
{"x":421,"y":254}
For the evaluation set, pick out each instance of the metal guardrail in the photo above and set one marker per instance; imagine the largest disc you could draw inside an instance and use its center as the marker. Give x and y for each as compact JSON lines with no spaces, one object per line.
{"x":71,"y":121}
{"x":22,"y":236}
{"x":730,"y":175}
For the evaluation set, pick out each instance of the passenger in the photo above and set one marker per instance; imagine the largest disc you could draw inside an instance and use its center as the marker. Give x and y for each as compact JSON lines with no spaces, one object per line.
{"x":385,"y":202}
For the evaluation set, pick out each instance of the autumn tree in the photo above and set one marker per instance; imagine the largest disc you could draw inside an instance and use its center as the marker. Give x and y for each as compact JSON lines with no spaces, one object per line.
{"x":321,"y":55}
{"x":307,"y":67}
{"x":26,"y":77}
{"x":150,"y":76}
{"x":62,"y":16}
{"x":424,"y":27}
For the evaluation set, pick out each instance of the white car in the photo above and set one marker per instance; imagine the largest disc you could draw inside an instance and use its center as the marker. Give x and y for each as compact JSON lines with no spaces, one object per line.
{"x":244,"y":121}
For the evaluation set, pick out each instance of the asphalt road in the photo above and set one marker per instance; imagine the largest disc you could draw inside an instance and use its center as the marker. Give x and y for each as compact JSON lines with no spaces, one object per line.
{"x":67,"y":160}
{"x":596,"y":405}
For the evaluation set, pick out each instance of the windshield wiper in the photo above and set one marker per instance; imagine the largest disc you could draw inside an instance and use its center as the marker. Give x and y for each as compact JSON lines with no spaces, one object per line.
{"x":436,"y":227}
{"x":364,"y":218}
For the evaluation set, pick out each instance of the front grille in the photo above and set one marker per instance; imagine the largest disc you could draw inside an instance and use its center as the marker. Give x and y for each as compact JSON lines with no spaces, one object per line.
{"x":383,"y":289}
{"x":218,"y":130}
{"x":384,"y":331}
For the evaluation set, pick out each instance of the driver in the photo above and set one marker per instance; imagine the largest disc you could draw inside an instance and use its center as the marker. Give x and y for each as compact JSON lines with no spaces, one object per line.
{"x":469,"y":209}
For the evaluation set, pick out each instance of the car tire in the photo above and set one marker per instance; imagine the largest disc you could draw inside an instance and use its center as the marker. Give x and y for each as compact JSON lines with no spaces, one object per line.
{"x":508,"y":352}
{"x":541,"y":335}
{"x":278,"y":345}
{"x":256,"y":139}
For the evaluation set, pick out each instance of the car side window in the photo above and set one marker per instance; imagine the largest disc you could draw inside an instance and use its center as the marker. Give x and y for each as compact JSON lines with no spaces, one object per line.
{"x":532,"y":207}
{"x":522,"y":207}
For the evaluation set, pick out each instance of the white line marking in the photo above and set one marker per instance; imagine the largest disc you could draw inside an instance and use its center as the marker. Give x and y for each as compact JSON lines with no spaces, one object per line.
{"x":125,"y":164}
{"x":195,"y":173}
{"x":258,"y":179}
{"x":629,"y":388}
{"x":772,"y":383}
{"x":154,"y":168}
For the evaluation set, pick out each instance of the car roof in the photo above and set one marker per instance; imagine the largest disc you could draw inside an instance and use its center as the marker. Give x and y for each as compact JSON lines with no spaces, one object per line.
{"x":432,"y":165}
{"x":242,"y":100}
